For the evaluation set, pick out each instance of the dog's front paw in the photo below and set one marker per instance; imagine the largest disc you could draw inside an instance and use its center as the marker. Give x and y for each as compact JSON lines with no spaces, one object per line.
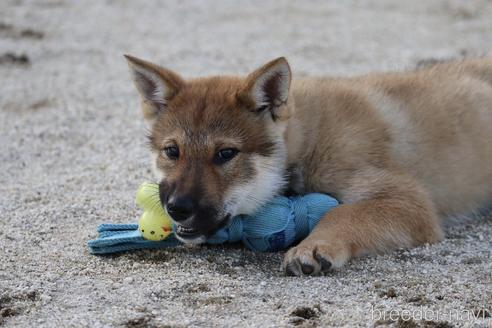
{"x":313,"y":257}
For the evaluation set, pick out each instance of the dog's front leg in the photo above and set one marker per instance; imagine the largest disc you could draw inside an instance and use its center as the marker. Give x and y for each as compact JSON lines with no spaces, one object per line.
{"x":381,"y":211}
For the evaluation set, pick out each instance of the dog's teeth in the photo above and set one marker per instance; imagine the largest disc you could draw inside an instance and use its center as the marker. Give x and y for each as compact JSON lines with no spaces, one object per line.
{"x":183,"y":229}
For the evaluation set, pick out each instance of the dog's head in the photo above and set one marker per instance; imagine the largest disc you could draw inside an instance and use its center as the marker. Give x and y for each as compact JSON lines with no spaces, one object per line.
{"x":218,"y":142}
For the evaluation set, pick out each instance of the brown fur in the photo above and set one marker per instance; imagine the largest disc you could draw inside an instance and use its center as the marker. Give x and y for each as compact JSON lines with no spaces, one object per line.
{"x":401,"y":150}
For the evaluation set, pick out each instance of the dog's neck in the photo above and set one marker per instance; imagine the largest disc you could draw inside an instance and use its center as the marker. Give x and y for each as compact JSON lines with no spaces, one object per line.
{"x":294,"y":137}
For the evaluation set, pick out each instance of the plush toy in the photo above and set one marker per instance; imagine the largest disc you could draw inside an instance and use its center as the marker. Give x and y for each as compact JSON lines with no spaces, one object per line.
{"x":154,"y":224}
{"x":276,"y":226}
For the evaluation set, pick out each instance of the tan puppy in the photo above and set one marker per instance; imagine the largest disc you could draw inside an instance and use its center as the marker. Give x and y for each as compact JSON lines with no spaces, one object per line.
{"x":400,"y":150}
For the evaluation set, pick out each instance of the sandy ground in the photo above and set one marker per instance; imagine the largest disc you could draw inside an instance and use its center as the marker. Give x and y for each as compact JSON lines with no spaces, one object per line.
{"x":72,"y":153}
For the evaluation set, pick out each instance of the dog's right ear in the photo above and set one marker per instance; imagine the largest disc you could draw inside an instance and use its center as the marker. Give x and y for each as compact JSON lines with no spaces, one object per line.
{"x":156,"y":85}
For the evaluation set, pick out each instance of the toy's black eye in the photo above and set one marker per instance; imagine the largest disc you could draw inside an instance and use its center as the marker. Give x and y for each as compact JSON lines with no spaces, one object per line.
{"x":172,"y":152}
{"x":225,"y":155}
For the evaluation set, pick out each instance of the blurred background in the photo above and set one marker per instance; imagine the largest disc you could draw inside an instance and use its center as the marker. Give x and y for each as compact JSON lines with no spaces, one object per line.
{"x":72,"y":146}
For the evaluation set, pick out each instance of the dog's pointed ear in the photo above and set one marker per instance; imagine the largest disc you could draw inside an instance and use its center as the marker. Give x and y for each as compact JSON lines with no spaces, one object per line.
{"x":267,"y":88}
{"x":156,"y":85}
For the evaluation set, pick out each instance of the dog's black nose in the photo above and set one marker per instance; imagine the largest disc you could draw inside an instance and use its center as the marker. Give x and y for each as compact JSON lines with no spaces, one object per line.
{"x":180,"y":208}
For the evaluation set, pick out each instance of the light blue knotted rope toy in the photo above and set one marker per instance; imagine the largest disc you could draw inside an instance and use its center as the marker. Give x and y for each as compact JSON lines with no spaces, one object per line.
{"x":276,"y":226}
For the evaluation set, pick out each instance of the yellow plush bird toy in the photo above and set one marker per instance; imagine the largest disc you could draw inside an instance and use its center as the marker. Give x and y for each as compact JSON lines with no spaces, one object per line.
{"x":154,"y":224}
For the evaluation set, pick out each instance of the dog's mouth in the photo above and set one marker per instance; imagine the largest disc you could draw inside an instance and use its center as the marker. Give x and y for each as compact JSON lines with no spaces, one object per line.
{"x":184,"y":231}
{"x":196,"y":235}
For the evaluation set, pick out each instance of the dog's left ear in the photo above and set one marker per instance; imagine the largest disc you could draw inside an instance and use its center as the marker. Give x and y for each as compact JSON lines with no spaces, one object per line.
{"x":267,"y":88}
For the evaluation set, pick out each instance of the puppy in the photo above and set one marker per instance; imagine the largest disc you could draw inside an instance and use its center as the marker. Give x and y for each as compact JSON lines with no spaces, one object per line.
{"x":401,"y":151}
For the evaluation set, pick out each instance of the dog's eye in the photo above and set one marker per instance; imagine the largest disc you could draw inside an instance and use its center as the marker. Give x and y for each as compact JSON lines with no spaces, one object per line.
{"x":172,"y":152}
{"x":225,"y":155}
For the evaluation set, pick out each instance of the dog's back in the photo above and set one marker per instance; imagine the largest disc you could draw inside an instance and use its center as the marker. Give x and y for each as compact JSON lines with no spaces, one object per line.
{"x":445,"y":138}
{"x":434,"y":123}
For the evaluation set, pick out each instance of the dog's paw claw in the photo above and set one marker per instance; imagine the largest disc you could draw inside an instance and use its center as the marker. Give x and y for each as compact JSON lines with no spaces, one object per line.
{"x":310,"y":259}
{"x":291,"y":269}
{"x":324,"y":263}
{"x":307,"y":269}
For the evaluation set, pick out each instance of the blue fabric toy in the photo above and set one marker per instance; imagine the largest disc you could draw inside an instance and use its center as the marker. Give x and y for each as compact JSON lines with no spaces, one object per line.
{"x":276,"y":226}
